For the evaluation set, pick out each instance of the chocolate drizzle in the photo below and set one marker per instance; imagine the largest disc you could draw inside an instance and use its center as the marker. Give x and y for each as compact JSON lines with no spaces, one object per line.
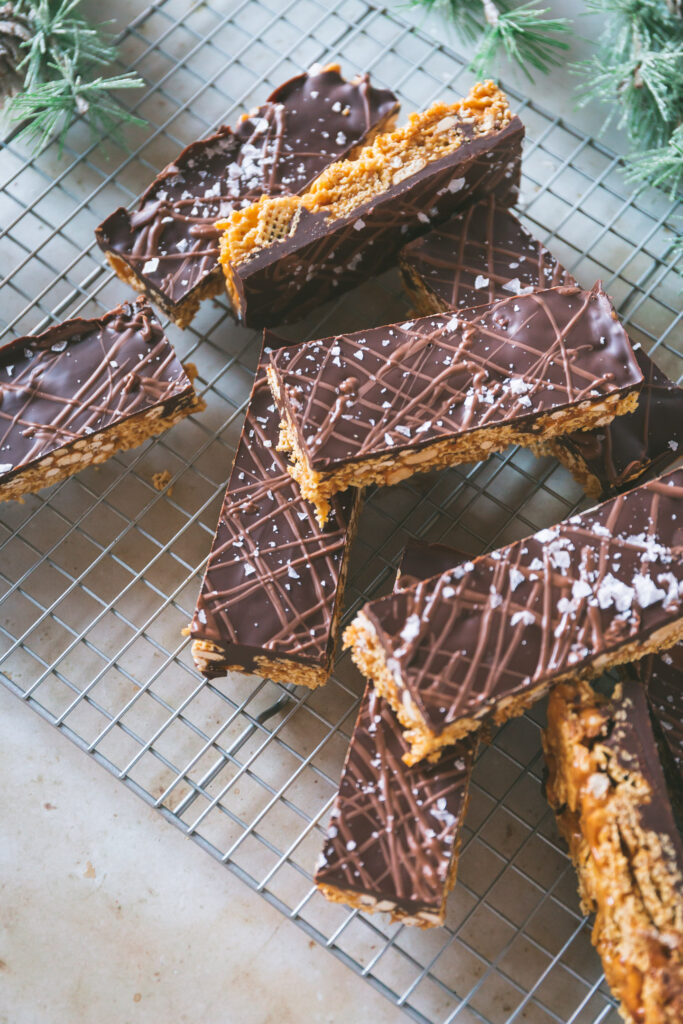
{"x":646,"y":440}
{"x":272,"y":583}
{"x":81,"y":377}
{"x":308,"y":122}
{"x":481,"y":255}
{"x":523,"y":616}
{"x":394,"y":830}
{"x":323,"y":258}
{"x":442,"y":376}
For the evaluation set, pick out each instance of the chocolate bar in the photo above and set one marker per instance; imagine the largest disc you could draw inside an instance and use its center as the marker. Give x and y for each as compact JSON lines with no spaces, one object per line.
{"x":272,"y":591}
{"x":394,"y":833}
{"x":484,"y":254}
{"x":82,"y":390}
{"x":610,"y":459}
{"x":606,"y":786}
{"x":476,"y":257}
{"x":286,"y":255}
{"x":168,"y":247}
{"x":380,"y":405}
{"x":489,"y":638}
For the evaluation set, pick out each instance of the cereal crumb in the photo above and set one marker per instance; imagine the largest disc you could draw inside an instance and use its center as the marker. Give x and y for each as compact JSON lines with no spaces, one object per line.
{"x":160,"y":481}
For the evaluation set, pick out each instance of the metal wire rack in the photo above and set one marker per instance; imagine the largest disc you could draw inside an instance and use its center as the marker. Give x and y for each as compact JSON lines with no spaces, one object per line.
{"x":100,"y":573}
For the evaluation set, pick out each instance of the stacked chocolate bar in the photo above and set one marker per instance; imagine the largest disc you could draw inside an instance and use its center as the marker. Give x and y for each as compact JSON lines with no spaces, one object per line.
{"x":308,"y":196}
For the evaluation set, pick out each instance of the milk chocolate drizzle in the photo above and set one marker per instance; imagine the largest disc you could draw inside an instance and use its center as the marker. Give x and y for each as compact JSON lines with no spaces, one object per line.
{"x":272,"y":583}
{"x":440,"y":376}
{"x":522,"y":616}
{"x":481,"y":255}
{"x":322,"y":258}
{"x":393,"y":829}
{"x":83,"y":376}
{"x":307,"y":123}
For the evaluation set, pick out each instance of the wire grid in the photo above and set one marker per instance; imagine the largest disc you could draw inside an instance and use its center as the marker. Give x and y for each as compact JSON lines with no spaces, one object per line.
{"x":100,"y":573}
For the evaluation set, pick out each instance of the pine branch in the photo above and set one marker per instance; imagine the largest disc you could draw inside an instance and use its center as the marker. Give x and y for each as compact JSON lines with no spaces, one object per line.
{"x":60,"y":58}
{"x":661,"y":166}
{"x":524,"y":34}
{"x":638,"y":69}
{"x":51,"y":104}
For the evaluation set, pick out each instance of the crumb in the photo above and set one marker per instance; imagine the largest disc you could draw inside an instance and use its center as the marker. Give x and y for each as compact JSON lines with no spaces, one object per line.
{"x":89,"y":871}
{"x":160,"y":480}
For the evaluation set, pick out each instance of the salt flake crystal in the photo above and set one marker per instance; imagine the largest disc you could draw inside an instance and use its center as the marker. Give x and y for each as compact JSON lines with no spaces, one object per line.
{"x":448,"y":592}
{"x":292,"y":573}
{"x":58,"y":346}
{"x":150,"y":266}
{"x":516,"y":577}
{"x":201,"y":615}
{"x":526,"y":618}
{"x":581,"y":589}
{"x":462,"y":570}
{"x":456,"y":184}
{"x":494,"y":598}
{"x":6,"y":467}
{"x":359,"y":224}
{"x":673,"y":445}
{"x":544,"y":536}
{"x":519,"y":386}
{"x":647,"y":592}
{"x":452,"y":324}
{"x":388,"y":440}
{"x":403,"y":430}
{"x":249,"y":569}
{"x":411,"y":629}
{"x":614,"y":592}
{"x":481,"y":282}
{"x":516,"y":287}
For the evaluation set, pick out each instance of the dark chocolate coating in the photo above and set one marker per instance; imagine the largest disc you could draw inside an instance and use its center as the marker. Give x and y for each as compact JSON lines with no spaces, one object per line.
{"x":481,"y":255}
{"x":393,"y":829}
{"x":518,"y":618}
{"x":271,"y":583}
{"x":646,"y":440}
{"x":662,"y":675}
{"x":83,"y":376}
{"x":388,"y":389}
{"x":629,"y":736}
{"x":310,"y":121}
{"x":323,"y":258}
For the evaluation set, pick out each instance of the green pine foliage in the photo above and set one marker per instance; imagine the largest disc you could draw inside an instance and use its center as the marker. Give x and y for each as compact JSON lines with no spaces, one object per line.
{"x":522,"y":32}
{"x":59,"y":81}
{"x":636,"y":71}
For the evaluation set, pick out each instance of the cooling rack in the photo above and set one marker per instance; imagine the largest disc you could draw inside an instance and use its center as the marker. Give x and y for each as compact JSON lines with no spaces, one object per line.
{"x":100,"y":573}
